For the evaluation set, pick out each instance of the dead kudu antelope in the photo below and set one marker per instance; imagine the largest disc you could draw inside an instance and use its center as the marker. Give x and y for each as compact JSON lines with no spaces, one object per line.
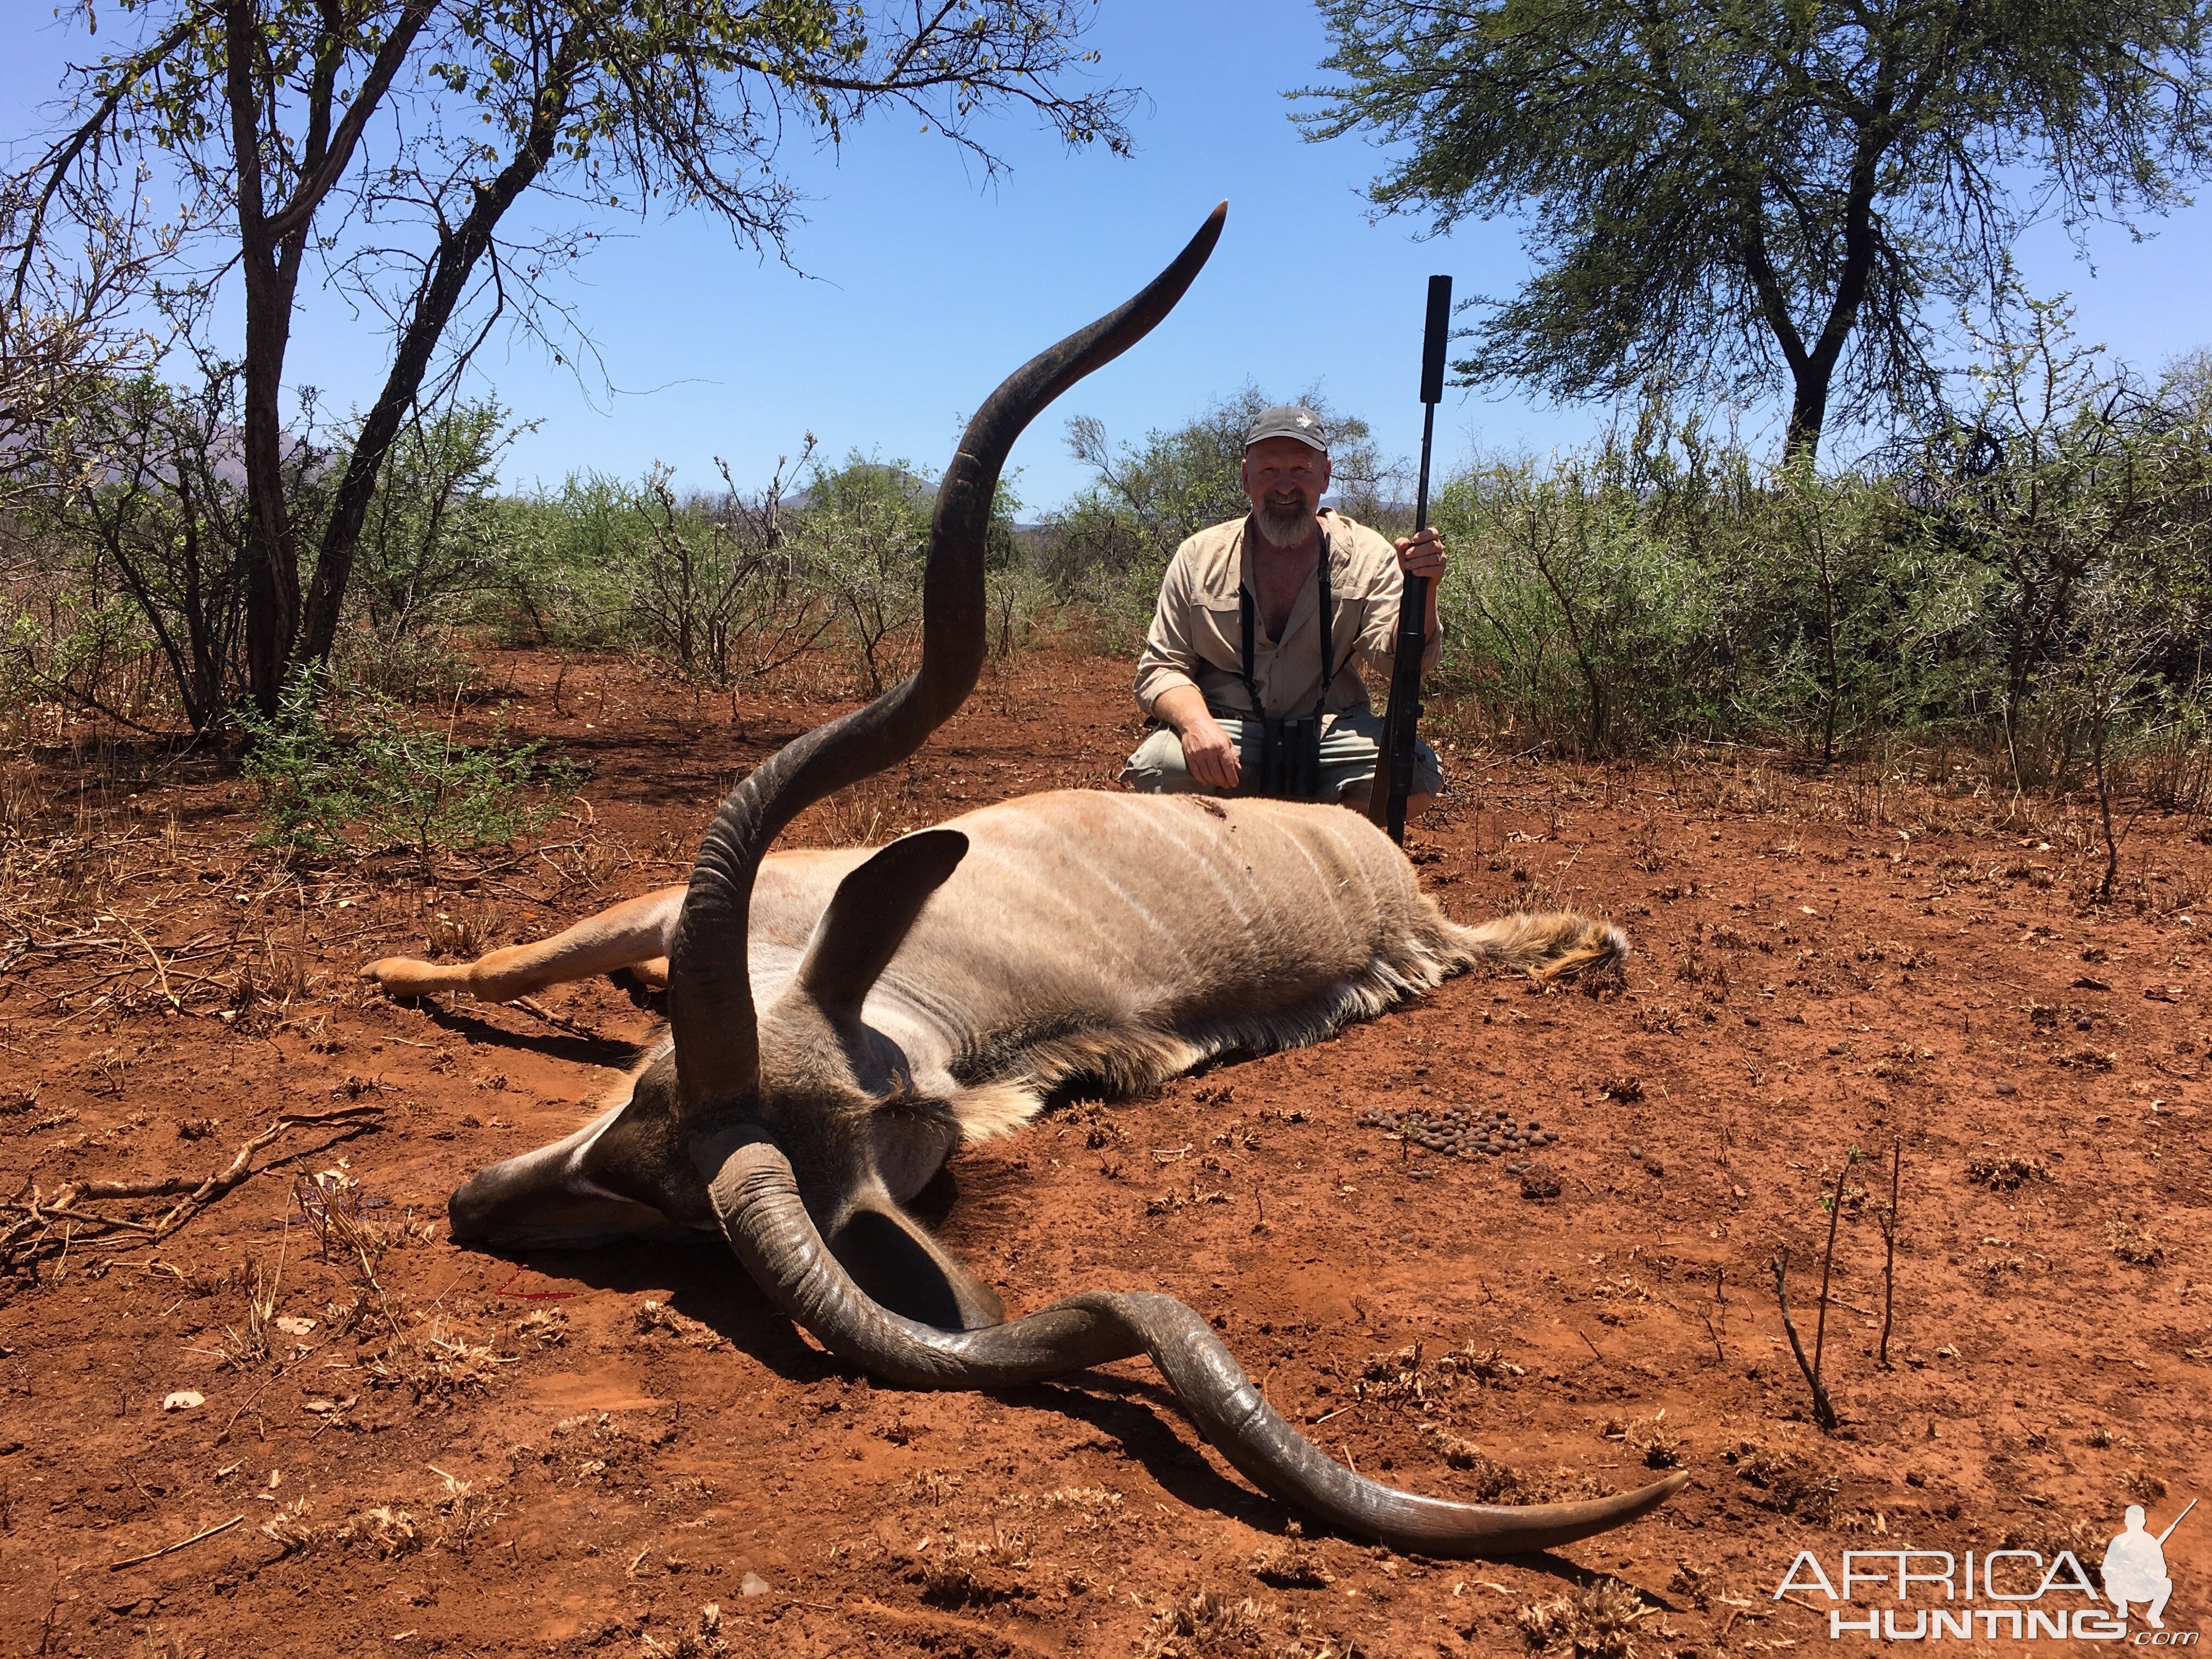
{"x":841,"y":1020}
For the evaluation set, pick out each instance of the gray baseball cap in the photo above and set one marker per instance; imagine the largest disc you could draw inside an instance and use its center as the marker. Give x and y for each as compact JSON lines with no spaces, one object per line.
{"x":1289,"y":420}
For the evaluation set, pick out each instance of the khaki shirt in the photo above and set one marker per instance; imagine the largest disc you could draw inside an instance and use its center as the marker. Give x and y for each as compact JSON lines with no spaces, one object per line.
{"x":1197,"y":634}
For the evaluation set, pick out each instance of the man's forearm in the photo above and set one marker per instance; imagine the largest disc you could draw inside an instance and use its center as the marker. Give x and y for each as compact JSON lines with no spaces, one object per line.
{"x":1181,"y":706}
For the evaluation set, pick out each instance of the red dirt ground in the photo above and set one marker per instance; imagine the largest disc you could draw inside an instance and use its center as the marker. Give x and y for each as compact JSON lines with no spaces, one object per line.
{"x":1821,"y":964}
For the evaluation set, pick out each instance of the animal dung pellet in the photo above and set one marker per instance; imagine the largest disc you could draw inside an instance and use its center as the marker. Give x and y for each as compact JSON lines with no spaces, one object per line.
{"x":183,"y":1399}
{"x":1461,"y":1131}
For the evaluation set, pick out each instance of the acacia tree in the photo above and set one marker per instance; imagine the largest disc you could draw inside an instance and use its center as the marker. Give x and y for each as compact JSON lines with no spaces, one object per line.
{"x":390,"y":140}
{"x":1727,"y":194}
{"x":67,"y":333}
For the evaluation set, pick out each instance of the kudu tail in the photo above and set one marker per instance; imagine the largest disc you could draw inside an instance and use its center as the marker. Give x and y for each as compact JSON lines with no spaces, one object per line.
{"x":1547,"y":944}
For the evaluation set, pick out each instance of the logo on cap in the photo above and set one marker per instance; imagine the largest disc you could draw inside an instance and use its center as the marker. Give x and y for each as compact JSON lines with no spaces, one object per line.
{"x":1289,"y":420}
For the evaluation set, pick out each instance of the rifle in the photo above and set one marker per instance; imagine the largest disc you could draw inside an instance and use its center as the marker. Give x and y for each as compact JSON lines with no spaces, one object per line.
{"x":1394,"y":772}
{"x":2176,"y":1522}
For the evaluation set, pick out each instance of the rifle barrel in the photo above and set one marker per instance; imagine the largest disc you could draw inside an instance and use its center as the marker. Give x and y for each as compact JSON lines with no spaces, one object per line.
{"x":1394,"y":768}
{"x":2177,"y":1521}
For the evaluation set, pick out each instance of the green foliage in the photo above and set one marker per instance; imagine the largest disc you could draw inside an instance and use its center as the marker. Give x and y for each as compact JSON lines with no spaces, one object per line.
{"x":2042,"y":570}
{"x":2083,"y":498}
{"x":253,"y":115}
{"x":387,"y":778}
{"x":2032,"y":577}
{"x":713,"y":584}
{"x":435,"y":532}
{"x":574,"y":571}
{"x":1562,"y":606}
{"x":1733,"y":196}
{"x":145,"y":509}
{"x":865,"y":537}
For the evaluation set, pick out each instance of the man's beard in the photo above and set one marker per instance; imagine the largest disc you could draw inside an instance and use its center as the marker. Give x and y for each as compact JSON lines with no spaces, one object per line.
{"x":1284,"y":526}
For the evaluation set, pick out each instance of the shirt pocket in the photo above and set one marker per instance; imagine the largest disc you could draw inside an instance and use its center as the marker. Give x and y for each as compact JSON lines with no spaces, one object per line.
{"x":1221,"y":633}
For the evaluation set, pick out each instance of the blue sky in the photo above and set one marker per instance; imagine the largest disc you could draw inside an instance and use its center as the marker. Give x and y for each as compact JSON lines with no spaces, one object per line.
{"x":923,"y":285}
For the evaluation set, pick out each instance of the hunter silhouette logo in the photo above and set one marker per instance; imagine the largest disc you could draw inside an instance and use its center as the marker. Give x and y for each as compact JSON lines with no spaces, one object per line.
{"x":2005,"y":1593}
{"x":2135,"y":1567}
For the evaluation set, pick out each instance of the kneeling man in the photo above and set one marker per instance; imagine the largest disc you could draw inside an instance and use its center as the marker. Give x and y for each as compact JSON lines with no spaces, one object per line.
{"x":1267,"y":618}
{"x":2134,"y":1570}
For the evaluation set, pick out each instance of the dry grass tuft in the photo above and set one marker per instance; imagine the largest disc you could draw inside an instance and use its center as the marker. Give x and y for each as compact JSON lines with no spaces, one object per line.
{"x":654,"y":1316}
{"x":1089,"y":1508}
{"x":1202,"y":1625}
{"x":2142,"y":1485}
{"x":247,"y":1343}
{"x":2127,"y":1236}
{"x":388,"y":1531}
{"x":333,"y":1204}
{"x":876,"y":810}
{"x":931,"y":1486}
{"x":1647,"y":1437}
{"x":2050,"y":1533}
{"x":1647,"y":852}
{"x":1791,"y":1485}
{"x":958,"y":1575}
{"x":463,"y":1511}
{"x":1291,"y":1564}
{"x":291,"y":1530}
{"x":465,"y":934}
{"x":1598,"y":1622}
{"x":1504,"y":1483}
{"x":267,"y":985}
{"x":1414,"y":1378}
{"x":2005,"y":1175}
{"x":702,"y":1643}
{"x":542,"y":1327}
{"x":441,"y":1364}
{"x":1696,"y":1584}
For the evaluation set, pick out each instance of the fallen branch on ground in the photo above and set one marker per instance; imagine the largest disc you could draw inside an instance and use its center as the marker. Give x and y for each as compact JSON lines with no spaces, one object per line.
{"x":27,"y":1220}
{"x":171,"y":1549}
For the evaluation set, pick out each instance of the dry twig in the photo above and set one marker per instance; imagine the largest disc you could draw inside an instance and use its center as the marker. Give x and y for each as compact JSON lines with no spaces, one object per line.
{"x":26,"y":1220}
{"x":171,"y":1549}
{"x":1889,"y":1249}
{"x":1823,"y":1411}
{"x":1827,"y":1265}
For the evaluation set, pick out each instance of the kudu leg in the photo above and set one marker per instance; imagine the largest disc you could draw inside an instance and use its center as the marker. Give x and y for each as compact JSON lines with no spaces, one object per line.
{"x":632,"y":934}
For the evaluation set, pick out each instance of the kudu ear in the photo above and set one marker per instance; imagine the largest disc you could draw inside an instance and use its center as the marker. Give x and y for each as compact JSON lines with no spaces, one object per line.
{"x":892,"y":1257}
{"x":869,"y":917}
{"x":886,"y":1249}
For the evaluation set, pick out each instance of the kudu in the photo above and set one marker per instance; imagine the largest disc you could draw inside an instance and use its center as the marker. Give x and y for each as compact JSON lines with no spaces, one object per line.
{"x":840,"y":1020}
